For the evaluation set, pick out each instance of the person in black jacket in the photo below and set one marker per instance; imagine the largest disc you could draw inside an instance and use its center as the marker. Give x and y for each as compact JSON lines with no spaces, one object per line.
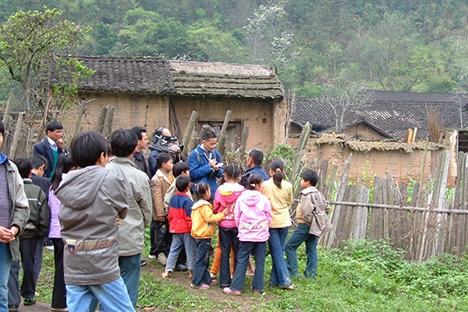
{"x":51,"y":147}
{"x":39,"y":165}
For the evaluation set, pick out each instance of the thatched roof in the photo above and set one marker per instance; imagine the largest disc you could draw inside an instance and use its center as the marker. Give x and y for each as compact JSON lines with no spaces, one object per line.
{"x":152,"y":75}
{"x":365,"y":146}
{"x":226,"y":80}
{"x":390,"y":113}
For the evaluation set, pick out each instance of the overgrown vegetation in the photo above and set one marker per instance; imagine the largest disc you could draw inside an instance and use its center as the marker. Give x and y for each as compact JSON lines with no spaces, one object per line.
{"x":364,"y":276}
{"x":404,"y":45}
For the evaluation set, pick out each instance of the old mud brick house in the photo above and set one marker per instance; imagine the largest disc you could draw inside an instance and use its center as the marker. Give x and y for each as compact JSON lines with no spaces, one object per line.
{"x":375,"y":133}
{"x":153,"y":92}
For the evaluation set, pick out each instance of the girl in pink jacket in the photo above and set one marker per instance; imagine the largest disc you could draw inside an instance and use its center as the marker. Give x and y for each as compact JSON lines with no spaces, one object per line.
{"x":252,"y":215}
{"x":225,"y":198}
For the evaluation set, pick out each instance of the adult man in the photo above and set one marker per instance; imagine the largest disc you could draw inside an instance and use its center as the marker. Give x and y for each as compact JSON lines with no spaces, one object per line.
{"x":14,"y":214}
{"x":140,"y":160}
{"x":163,"y":141}
{"x":131,"y":231}
{"x":254,"y":161}
{"x":51,"y":147}
{"x":205,"y":162}
{"x":142,"y":144}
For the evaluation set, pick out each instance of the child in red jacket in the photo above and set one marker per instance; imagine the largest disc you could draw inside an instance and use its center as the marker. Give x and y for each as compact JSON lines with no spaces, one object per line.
{"x":180,"y":225}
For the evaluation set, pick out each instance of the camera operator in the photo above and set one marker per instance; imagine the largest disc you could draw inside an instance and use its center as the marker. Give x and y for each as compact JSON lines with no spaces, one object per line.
{"x":163,"y":141}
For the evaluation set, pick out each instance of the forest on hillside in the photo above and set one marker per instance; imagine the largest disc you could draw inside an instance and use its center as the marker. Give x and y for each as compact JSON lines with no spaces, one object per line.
{"x":400,"y":45}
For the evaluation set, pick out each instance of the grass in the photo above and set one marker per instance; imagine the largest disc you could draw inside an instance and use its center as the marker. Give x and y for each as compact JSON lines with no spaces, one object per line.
{"x":365,"y":276}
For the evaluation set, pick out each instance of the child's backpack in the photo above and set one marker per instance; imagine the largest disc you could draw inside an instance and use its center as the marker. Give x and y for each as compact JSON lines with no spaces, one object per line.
{"x":39,"y":216}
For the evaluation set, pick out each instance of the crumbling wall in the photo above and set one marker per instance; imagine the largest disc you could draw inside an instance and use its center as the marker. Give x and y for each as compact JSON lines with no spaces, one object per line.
{"x":402,"y":164}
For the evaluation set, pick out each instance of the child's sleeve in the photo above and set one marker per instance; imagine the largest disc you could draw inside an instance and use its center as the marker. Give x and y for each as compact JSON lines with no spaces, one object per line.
{"x":188,"y":203}
{"x":170,"y":192}
{"x":44,"y":216}
{"x":158,"y":202}
{"x":267,"y":210}
{"x":216,"y":202}
{"x":237,"y":211}
{"x":208,"y":215}
{"x":307,"y":208}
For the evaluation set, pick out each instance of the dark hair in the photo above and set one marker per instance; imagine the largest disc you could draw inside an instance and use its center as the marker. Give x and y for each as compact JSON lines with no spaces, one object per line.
{"x":180,"y":167}
{"x":182,"y":182}
{"x":123,"y":142}
{"x":24,"y":166}
{"x":277,"y":166}
{"x":163,"y":158}
{"x":2,"y":128}
{"x":232,"y":171}
{"x":64,"y":165}
{"x":138,"y":130}
{"x":257,"y":156}
{"x":208,"y":134}
{"x":202,"y":189}
{"x":310,"y":176}
{"x":53,"y":125}
{"x":37,"y":161}
{"x":86,"y":148}
{"x":158,"y":132}
{"x":253,"y":181}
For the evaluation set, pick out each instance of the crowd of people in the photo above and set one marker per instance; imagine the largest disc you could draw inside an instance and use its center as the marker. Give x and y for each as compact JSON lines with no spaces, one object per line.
{"x":93,"y":201}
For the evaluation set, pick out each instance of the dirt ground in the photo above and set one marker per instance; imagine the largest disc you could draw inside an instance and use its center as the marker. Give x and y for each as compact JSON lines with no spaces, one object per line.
{"x":214,"y":293}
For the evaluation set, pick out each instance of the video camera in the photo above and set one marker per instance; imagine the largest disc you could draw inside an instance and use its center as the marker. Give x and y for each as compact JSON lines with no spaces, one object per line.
{"x":164,"y":143}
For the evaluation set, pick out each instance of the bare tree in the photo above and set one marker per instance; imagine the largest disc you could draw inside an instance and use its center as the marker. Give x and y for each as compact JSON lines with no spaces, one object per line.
{"x":343,"y":96}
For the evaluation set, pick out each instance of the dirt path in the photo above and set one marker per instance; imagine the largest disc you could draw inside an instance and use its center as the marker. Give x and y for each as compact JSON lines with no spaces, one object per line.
{"x":214,"y":293}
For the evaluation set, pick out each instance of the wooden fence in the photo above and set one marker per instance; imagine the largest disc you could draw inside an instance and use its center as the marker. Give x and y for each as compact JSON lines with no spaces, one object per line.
{"x":419,"y":220}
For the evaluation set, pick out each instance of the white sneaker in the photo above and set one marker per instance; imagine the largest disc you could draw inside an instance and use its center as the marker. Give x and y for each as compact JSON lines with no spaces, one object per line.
{"x":162,"y":259}
{"x":152,"y":256}
{"x":49,"y":247}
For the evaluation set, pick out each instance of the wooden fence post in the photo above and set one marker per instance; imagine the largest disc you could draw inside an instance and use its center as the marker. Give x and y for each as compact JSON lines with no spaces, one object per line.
{"x":335,"y":215}
{"x":188,"y":133}
{"x":16,"y":136}
{"x":222,"y":135}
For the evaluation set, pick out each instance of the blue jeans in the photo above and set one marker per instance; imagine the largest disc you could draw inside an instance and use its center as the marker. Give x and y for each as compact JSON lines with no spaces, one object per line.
{"x":14,"y":298}
{"x":227,"y":238}
{"x":178,"y":242}
{"x":5,"y":263}
{"x":279,"y":275}
{"x":130,"y":268}
{"x":113,"y":297}
{"x":201,"y":275}
{"x":258,"y":249}
{"x":300,"y":235}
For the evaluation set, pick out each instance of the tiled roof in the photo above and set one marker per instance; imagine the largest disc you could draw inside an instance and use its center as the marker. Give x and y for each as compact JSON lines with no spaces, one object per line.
{"x":158,"y":76}
{"x":127,"y":74}
{"x":391,"y":113}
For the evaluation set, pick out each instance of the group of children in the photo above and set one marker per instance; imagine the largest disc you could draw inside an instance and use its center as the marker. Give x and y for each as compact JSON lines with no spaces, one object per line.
{"x":248,"y":217}
{"x":250,"y":210}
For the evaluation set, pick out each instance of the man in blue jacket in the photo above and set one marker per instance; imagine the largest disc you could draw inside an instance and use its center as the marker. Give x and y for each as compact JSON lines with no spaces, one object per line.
{"x":205,"y":162}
